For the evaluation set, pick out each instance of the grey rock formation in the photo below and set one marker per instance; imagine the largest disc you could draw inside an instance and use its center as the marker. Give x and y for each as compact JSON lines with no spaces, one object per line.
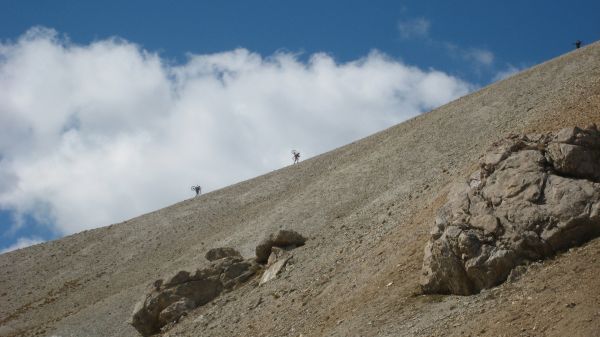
{"x":534,"y":196}
{"x":174,"y":297}
{"x":277,"y":260}
{"x":287,"y":239}
{"x":221,"y":252}
{"x":175,"y":310}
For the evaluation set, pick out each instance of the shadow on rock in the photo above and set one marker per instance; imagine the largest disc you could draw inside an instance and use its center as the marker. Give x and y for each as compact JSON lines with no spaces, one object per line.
{"x":174,"y":297}
{"x":534,"y":196}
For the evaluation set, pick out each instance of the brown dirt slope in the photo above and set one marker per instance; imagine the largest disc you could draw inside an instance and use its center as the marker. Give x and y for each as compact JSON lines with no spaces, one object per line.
{"x":366,"y":208}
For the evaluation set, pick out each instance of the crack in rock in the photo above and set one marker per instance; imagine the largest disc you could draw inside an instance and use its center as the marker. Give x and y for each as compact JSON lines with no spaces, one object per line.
{"x":533,"y":196}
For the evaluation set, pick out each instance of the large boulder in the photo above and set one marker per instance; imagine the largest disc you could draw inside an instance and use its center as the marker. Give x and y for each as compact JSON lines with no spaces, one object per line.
{"x":534,"y":196}
{"x":286,"y":239}
{"x":172,"y":298}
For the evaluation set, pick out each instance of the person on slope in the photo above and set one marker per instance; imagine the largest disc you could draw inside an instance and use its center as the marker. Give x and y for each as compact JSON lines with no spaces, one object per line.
{"x":197,"y":189}
{"x":296,"y":156}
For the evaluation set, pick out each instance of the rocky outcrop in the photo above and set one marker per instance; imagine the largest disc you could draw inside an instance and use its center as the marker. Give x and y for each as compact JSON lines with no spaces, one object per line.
{"x":172,"y":298}
{"x":534,"y":196}
{"x":286,"y":239}
{"x":277,"y":261}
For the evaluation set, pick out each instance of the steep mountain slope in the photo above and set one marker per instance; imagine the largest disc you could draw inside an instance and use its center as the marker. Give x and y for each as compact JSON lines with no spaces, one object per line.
{"x":366,"y":208}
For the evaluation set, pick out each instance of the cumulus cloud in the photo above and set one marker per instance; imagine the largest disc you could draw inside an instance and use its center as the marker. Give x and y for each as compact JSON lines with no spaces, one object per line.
{"x":22,"y":243}
{"x":94,"y":134}
{"x":411,"y":28}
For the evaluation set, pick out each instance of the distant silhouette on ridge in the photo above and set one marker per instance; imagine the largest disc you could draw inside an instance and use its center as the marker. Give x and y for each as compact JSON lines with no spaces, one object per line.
{"x":197,"y":189}
{"x":296,"y":156}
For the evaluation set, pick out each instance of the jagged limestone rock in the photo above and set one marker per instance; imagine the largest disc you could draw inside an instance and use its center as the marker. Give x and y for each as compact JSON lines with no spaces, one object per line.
{"x":534,"y":196}
{"x":283,"y":238}
{"x":185,"y":290}
{"x":276,"y":262}
{"x":175,"y":310}
{"x":174,"y":296}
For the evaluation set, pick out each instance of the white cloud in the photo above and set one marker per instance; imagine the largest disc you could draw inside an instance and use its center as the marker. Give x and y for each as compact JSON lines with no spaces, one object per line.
{"x":480,"y":56}
{"x":507,"y":72}
{"x":94,"y":134}
{"x":22,"y":243}
{"x":418,"y":27}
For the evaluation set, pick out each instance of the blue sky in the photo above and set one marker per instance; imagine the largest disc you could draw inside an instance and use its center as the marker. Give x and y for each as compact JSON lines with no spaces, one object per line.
{"x":516,"y":32}
{"x":247,"y":72}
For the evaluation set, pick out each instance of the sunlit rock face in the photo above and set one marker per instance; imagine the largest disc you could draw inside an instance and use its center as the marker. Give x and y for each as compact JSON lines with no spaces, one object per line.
{"x":533,"y":196}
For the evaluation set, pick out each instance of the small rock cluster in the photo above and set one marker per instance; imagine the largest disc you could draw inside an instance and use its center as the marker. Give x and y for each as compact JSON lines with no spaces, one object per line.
{"x":277,"y":261}
{"x":275,"y":252}
{"x":285,"y":239}
{"x":533,"y":196}
{"x":174,"y":297}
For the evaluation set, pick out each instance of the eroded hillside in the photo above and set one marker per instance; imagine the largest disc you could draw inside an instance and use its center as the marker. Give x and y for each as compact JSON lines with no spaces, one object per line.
{"x":366,"y":210}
